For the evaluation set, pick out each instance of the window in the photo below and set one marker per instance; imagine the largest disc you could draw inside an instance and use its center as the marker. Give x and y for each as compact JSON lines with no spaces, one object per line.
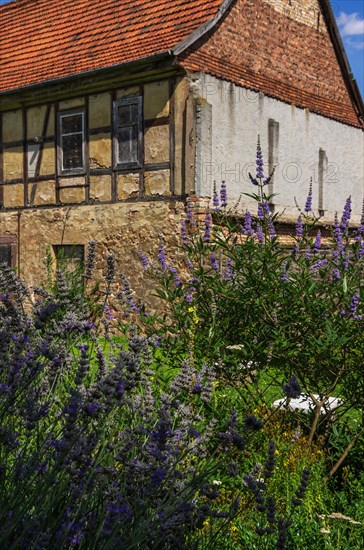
{"x":69,"y":257}
{"x":70,"y":261}
{"x":71,"y":142}
{"x":128,"y":132}
{"x":5,"y":254}
{"x":8,"y":250}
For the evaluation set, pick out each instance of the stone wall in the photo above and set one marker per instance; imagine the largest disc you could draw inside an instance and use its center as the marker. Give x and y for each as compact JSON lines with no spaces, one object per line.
{"x":124,"y":229}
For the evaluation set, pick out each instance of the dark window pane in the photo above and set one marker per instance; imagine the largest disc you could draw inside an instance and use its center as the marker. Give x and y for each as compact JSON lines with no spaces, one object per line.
{"x":5,"y":254}
{"x":128,"y":144}
{"x":69,"y":256}
{"x":72,"y":152}
{"x":124,"y":115}
{"x":127,"y":115}
{"x":70,"y":260}
{"x":71,"y":124}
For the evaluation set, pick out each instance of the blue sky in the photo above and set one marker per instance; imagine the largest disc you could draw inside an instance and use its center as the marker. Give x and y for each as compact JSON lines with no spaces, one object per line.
{"x":350,"y":17}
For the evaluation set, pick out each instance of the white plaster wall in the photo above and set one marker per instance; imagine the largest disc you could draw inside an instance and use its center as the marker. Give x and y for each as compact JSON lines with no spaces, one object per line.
{"x":230,"y":119}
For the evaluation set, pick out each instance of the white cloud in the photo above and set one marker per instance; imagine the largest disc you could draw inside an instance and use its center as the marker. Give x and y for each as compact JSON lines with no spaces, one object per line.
{"x":355,"y":44}
{"x":350,"y":24}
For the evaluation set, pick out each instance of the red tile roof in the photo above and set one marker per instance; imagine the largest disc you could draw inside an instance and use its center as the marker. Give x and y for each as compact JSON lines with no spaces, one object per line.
{"x":43,"y":40}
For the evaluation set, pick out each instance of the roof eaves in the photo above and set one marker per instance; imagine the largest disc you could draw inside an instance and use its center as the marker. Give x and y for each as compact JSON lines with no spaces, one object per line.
{"x":350,"y":81}
{"x":95,"y":72}
{"x":202,"y":29}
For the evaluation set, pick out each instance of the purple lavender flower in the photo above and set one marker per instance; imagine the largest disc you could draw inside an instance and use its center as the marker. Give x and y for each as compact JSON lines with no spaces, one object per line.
{"x":292,"y":389}
{"x":189,"y":214}
{"x":270,"y":464}
{"x":354,"y":303}
{"x":247,"y":227}
{"x":308,"y":205}
{"x":253,"y":423}
{"x":301,"y":491}
{"x":259,"y":161}
{"x":158,"y":475}
{"x":253,"y":180}
{"x":260,"y":212}
{"x":319,"y":265}
{"x":189,"y":297}
{"x":162,"y":257}
{"x":188,"y":263}
{"x":207,"y":235}
{"x":346,"y":262}
{"x":229,"y":271}
{"x":260,"y":234}
{"x":346,"y":215}
{"x":336,"y":274}
{"x":284,"y":277}
{"x":110,"y":269}
{"x":214,"y":262}
{"x":90,"y":260}
{"x":223,"y":195}
{"x":144,"y":260}
{"x":126,"y":293}
{"x":176,"y":278}
{"x":299,"y":228}
{"x":317,"y":243}
{"x":361,"y":249}
{"x":337,"y":233}
{"x":269,"y":179}
{"x":271,"y":229}
{"x":184,"y":234}
{"x":108,"y":313}
{"x":215,"y":199}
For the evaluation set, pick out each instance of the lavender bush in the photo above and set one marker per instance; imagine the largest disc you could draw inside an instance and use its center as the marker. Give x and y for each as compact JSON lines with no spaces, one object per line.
{"x":94,"y":453}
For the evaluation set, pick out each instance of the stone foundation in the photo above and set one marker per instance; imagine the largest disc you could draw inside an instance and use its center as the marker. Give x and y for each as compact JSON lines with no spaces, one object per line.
{"x":124,"y":229}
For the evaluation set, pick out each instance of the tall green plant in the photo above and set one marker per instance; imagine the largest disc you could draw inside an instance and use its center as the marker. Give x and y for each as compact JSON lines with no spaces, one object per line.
{"x":295,"y":311}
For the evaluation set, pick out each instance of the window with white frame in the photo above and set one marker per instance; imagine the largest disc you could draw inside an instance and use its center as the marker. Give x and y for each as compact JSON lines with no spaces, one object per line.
{"x":128,"y":132}
{"x":71,"y":142}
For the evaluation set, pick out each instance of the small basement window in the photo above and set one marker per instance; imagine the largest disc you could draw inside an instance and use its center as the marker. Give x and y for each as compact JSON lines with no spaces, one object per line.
{"x":5,"y":254}
{"x":128,"y":132}
{"x":69,"y":257}
{"x":8,"y":250}
{"x":71,"y":142}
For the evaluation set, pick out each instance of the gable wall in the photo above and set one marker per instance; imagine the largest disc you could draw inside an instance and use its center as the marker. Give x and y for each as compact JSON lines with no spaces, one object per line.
{"x":300,"y":144}
{"x":278,"y":47}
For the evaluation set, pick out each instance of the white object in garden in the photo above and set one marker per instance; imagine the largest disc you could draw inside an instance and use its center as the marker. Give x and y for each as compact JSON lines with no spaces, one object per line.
{"x":305,"y":404}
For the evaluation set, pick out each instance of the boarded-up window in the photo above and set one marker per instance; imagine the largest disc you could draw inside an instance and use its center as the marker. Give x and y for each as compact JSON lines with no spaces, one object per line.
{"x":71,"y":142}
{"x":273,"y":147}
{"x":128,"y":132}
{"x":322,"y":174}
